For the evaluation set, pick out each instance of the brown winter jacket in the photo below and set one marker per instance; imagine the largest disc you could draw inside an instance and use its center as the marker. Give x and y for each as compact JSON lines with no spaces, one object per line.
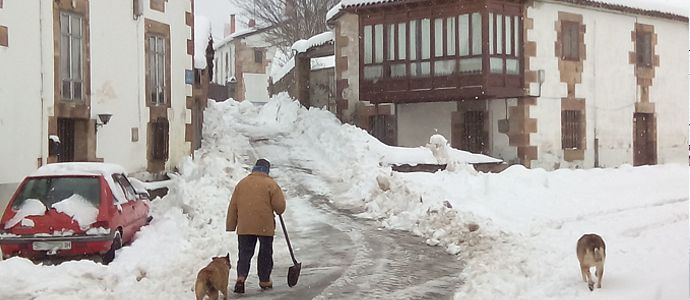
{"x":253,"y":202}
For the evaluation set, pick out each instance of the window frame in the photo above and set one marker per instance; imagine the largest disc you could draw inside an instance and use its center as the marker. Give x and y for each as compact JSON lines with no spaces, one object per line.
{"x":71,"y":76}
{"x":570,"y":36}
{"x":156,"y":68}
{"x":258,"y":55}
{"x":126,"y":186}
{"x":643,"y":48}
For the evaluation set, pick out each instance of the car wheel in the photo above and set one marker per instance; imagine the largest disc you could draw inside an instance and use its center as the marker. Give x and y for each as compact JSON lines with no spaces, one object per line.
{"x":109,"y":256}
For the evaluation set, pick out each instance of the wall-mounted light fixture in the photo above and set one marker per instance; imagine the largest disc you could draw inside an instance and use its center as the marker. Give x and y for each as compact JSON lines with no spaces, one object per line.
{"x":105,"y":118}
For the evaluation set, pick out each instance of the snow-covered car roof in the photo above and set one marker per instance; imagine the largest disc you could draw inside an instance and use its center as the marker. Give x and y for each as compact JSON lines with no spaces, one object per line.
{"x":79,"y":168}
{"x":87,"y":169}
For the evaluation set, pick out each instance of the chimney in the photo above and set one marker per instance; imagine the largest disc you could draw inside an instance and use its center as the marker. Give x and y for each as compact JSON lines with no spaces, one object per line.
{"x":232,"y":23}
{"x":252,"y":23}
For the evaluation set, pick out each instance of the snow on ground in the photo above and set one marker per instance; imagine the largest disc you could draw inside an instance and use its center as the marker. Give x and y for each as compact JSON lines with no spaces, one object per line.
{"x":515,"y":231}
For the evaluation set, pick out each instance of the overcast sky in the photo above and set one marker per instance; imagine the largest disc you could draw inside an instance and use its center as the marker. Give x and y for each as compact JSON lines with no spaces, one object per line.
{"x":218,"y":13}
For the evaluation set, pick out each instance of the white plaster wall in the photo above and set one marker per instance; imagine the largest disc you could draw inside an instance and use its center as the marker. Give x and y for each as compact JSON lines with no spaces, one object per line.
{"x":349,"y":27}
{"x":419,"y":121}
{"x":609,"y":86}
{"x":118,"y":81}
{"x":22,"y":120}
{"x":257,"y":87}
{"x":500,"y":147}
{"x":221,"y":72}
{"x":669,"y":91}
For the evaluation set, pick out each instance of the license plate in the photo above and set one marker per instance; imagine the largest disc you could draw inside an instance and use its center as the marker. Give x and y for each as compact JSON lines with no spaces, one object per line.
{"x":55,"y":245}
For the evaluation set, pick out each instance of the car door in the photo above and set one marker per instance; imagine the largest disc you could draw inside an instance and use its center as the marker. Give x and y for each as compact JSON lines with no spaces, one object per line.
{"x":140,"y":203}
{"x":128,"y":209}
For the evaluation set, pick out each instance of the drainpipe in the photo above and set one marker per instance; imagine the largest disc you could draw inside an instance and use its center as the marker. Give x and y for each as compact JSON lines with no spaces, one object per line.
{"x":44,"y":124}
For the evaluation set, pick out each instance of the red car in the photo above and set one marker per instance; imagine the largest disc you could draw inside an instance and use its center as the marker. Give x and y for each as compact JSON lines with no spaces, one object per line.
{"x":68,"y":210}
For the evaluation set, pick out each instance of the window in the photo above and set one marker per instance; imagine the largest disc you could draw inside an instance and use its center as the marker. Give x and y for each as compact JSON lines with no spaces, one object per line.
{"x":470,"y":38}
{"x":71,"y":45}
{"x":570,"y":35}
{"x":373,"y":51}
{"x":126,"y":187}
{"x":4,"y":39}
{"x":504,"y":37}
{"x":643,"y":45}
{"x":160,"y":130}
{"x":51,"y":190}
{"x":570,"y":129}
{"x":258,"y":56}
{"x":420,"y":51}
{"x":158,"y":5}
{"x":156,"y":69}
{"x":397,"y":49}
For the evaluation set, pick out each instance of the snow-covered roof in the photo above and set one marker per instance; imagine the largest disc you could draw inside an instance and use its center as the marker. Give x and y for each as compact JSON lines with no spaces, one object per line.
{"x":202,"y":34}
{"x":282,"y":71}
{"x":314,"y":41}
{"x":240,"y":34}
{"x":647,"y":7}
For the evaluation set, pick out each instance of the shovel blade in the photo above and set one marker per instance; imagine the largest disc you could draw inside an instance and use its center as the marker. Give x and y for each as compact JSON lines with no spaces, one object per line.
{"x":293,"y":274}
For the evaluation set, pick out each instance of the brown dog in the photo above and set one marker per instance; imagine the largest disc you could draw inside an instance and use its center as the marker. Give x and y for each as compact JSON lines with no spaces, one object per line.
{"x":213,"y":278}
{"x":591,"y":252}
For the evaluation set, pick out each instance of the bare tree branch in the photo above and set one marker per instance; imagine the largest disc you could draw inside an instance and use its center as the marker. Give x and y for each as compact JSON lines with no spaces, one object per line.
{"x":290,"y":20}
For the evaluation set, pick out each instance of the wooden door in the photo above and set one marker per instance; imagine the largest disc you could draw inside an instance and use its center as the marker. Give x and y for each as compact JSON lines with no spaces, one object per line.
{"x":644,"y":139}
{"x":65,"y":128}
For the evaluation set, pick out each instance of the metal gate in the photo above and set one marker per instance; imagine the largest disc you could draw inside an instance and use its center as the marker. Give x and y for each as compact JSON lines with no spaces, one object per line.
{"x":644,"y":139}
{"x":473,"y":135}
{"x":65,"y":130}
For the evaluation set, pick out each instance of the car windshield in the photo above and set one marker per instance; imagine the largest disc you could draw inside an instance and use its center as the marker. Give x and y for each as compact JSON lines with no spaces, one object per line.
{"x":52,"y":190}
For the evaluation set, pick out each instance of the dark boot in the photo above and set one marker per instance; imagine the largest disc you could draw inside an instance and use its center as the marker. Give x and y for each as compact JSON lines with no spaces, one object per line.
{"x":239,"y":287}
{"x":265,"y":285}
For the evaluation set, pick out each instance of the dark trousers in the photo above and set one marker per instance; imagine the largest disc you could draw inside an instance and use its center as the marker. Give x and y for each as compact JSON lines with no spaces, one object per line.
{"x":247,"y":244}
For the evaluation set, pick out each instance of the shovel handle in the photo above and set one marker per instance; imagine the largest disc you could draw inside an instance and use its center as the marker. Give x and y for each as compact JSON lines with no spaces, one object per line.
{"x":287,"y":238}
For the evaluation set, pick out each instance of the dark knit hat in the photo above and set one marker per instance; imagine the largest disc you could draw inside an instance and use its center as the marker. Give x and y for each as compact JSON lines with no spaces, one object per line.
{"x":263,"y":162}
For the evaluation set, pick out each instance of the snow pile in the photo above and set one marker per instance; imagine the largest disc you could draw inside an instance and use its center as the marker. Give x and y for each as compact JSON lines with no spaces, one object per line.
{"x":439,"y":148}
{"x":506,"y":226}
{"x":79,"y":209}
{"x":30,"y":207}
{"x":202,"y":34}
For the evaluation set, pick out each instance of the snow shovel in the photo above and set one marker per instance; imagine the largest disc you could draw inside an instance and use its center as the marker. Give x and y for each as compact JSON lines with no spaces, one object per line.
{"x":293,"y":272}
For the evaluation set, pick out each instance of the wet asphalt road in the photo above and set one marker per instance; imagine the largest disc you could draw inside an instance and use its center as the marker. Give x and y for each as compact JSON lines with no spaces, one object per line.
{"x":345,"y":257}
